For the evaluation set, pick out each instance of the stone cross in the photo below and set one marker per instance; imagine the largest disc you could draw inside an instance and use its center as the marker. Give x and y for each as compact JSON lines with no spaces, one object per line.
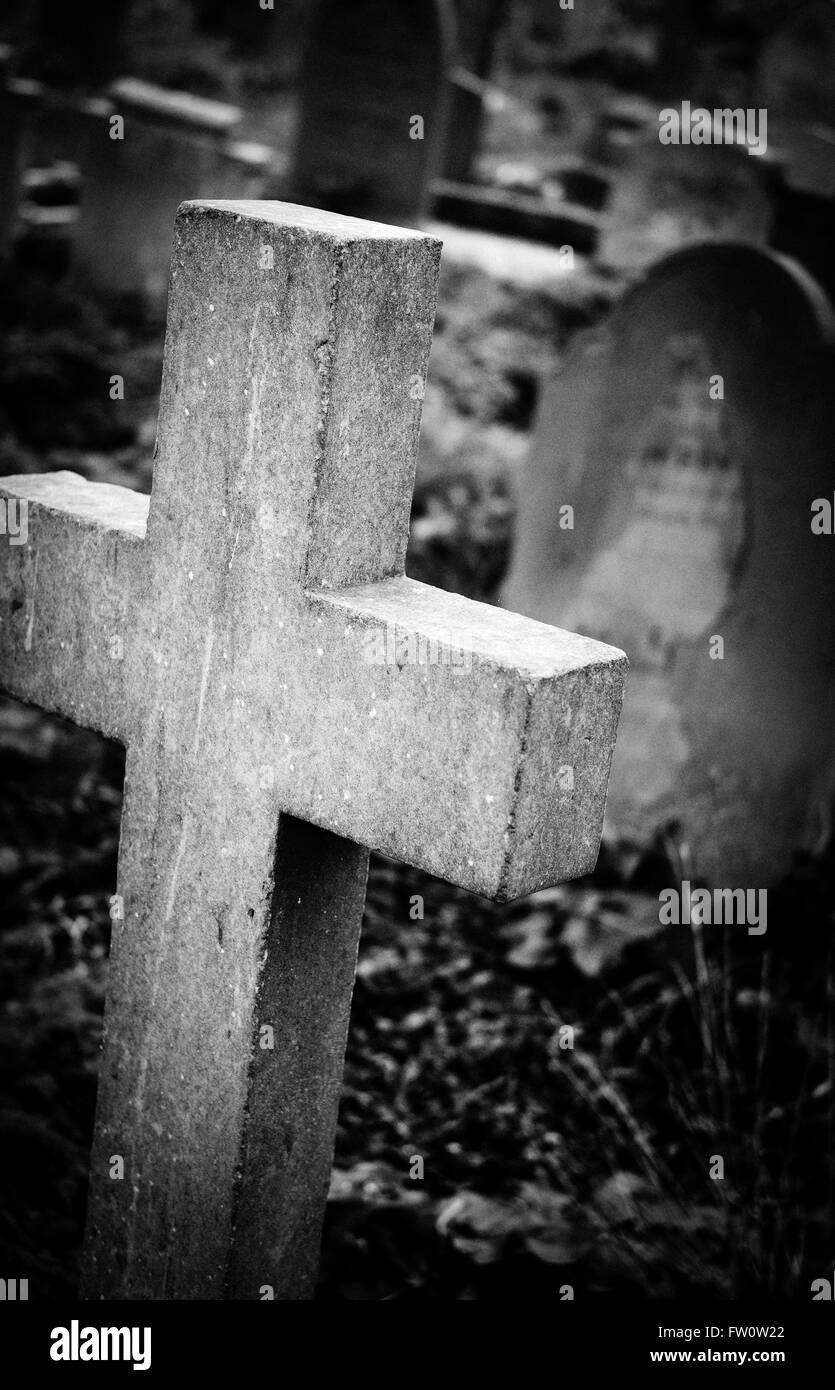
{"x":225,"y":630}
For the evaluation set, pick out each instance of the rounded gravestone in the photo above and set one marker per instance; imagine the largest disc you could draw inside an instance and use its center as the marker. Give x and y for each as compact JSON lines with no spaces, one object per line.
{"x":371,"y":67}
{"x":668,"y":504}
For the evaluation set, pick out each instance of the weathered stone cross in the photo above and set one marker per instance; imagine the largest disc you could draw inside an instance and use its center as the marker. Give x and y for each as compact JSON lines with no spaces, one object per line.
{"x":220,"y":629}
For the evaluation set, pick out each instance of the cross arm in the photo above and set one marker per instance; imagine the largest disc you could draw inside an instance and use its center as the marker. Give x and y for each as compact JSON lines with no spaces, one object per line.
{"x":469,"y":741}
{"x":69,"y":569}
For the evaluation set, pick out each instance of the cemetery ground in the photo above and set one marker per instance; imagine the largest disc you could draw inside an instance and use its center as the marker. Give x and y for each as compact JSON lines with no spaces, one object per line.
{"x":534,"y":1093}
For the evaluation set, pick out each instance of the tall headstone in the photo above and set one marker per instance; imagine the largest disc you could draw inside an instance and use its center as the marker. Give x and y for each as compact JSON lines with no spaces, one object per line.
{"x":287,"y":696}
{"x":657,"y":515}
{"x":667,"y":196}
{"x":11,"y":152}
{"x":41,"y":126}
{"x":466,"y":125}
{"x":795,"y":84}
{"x":680,"y":26}
{"x":478,"y":27}
{"x":374,"y":107}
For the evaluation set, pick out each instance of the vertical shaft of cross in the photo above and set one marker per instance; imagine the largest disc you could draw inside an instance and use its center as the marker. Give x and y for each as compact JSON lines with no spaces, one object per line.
{"x":302,"y":1018}
{"x":224,"y":1109}
{"x":195,"y":886}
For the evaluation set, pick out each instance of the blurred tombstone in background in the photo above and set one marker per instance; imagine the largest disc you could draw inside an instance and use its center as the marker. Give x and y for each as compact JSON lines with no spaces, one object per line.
{"x":102,"y":197}
{"x":45,"y":129}
{"x":11,"y":152}
{"x":667,"y":505}
{"x":175,"y":146}
{"x":680,"y":24}
{"x":591,"y":120}
{"x":667,"y":196}
{"x":374,"y":107}
{"x":796,"y":83}
{"x":478,"y":26}
{"x":706,"y":54}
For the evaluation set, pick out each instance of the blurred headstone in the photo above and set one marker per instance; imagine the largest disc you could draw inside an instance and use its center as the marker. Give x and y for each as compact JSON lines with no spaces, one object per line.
{"x":478,"y":27}
{"x":42,"y":127}
{"x":680,"y":24}
{"x":707,"y":53}
{"x":796,"y":84}
{"x":660,"y":517}
{"x":466,"y":122}
{"x":174,"y":147}
{"x":11,"y":152}
{"x":667,"y":196}
{"x":171,"y":146}
{"x":374,"y":107}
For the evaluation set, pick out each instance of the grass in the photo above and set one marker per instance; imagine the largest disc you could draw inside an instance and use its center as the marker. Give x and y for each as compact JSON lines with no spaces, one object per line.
{"x":547,"y":1164}
{"x":549,"y":1158}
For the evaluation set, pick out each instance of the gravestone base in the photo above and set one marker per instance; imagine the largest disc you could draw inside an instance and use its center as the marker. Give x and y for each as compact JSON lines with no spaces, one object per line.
{"x":532,"y":219}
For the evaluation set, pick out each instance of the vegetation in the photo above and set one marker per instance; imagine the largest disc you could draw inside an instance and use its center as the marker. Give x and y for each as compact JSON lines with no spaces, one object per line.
{"x":544,"y":1164}
{"x":563,"y":1067}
